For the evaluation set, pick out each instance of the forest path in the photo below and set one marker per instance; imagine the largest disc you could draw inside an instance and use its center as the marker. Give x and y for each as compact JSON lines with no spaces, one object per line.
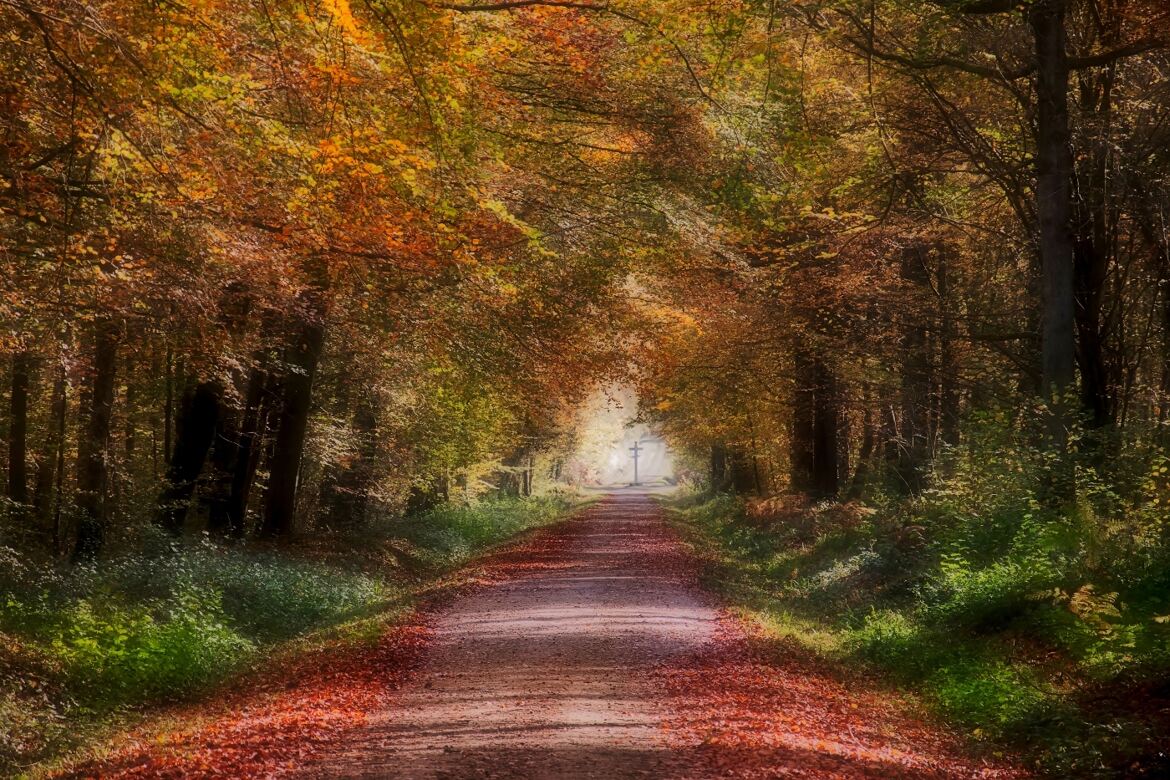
{"x":588,"y":650}
{"x":550,"y":674}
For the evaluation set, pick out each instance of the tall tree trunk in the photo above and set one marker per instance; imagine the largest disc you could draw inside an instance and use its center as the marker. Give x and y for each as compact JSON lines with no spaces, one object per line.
{"x":236,"y":306}
{"x":58,"y":414}
{"x":512,"y":475}
{"x":1148,"y":223}
{"x":1164,"y":311}
{"x":292,"y":424}
{"x":1091,"y":268}
{"x":93,"y":456}
{"x":169,"y":404}
{"x":867,"y":449}
{"x":42,"y":495}
{"x":914,"y":450}
{"x":827,"y":421}
{"x":719,"y":470}
{"x":18,"y":428}
{"x":194,"y":433}
{"x":757,"y":475}
{"x":1093,"y":245}
{"x":1054,"y":172}
{"x":948,"y":393}
{"x":334,"y":495}
{"x":130,"y":432}
{"x":253,"y":426}
{"x":801,"y":441}
{"x":742,"y":475}
{"x":225,"y":454}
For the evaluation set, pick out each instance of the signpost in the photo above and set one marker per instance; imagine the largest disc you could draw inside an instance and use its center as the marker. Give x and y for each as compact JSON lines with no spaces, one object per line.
{"x":634,"y":451}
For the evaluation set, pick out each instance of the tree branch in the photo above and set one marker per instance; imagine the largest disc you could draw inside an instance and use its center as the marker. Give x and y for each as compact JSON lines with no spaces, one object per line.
{"x":998,"y":74}
{"x":934,"y":63}
{"x":1107,"y":57}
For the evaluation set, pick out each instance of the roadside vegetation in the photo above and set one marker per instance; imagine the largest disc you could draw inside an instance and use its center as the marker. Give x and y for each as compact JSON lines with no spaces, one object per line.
{"x":1035,"y":630}
{"x":86,"y":647}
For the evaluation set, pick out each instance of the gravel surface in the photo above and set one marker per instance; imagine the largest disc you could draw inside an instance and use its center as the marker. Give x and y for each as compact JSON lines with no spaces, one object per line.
{"x":549,"y":674}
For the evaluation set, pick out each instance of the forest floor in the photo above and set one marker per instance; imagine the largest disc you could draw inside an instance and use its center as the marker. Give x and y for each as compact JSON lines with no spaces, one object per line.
{"x":587,"y":650}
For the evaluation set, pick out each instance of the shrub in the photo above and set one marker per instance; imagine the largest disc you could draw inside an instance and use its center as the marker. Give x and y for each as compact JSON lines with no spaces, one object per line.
{"x":117,"y":654}
{"x":268,"y":598}
{"x":1020,"y":613}
{"x":891,"y":639}
{"x":995,"y":697}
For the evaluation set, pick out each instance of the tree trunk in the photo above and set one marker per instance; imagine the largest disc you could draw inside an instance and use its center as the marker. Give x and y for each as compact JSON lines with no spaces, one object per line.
{"x":742,"y":475}
{"x":865,"y":453}
{"x":93,"y":456}
{"x":194,"y":432}
{"x":948,"y":392}
{"x":236,"y":454}
{"x":512,"y":475}
{"x":18,"y":428}
{"x":42,"y":495}
{"x":826,"y":427}
{"x":757,"y":476}
{"x":1164,"y":394}
{"x":58,"y":413}
{"x":251,"y":440}
{"x":1091,"y":268}
{"x":169,"y":405}
{"x":422,"y":498}
{"x":914,"y":446}
{"x":235,"y":311}
{"x":225,"y":453}
{"x":803,"y":427}
{"x":1093,"y":246}
{"x":719,"y":468}
{"x":1054,"y":172}
{"x":130,"y":432}
{"x":292,"y":424}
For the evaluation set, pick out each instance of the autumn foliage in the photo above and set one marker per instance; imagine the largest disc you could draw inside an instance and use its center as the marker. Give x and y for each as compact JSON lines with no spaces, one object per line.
{"x":277,"y":272}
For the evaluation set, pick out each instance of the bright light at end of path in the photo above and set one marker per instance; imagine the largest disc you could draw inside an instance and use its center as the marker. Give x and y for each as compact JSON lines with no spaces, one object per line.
{"x":605,"y":433}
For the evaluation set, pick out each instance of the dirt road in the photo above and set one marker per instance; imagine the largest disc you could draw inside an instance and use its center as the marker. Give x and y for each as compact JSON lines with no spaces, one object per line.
{"x":550,"y":675}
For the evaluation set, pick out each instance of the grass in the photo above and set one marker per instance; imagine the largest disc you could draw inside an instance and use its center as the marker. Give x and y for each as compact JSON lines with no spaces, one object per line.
{"x":1004,"y":647}
{"x":84,"y":651}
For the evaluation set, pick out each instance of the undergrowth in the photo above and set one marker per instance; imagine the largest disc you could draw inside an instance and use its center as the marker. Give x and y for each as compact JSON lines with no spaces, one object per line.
{"x":1044,"y":631}
{"x":171,"y":621}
